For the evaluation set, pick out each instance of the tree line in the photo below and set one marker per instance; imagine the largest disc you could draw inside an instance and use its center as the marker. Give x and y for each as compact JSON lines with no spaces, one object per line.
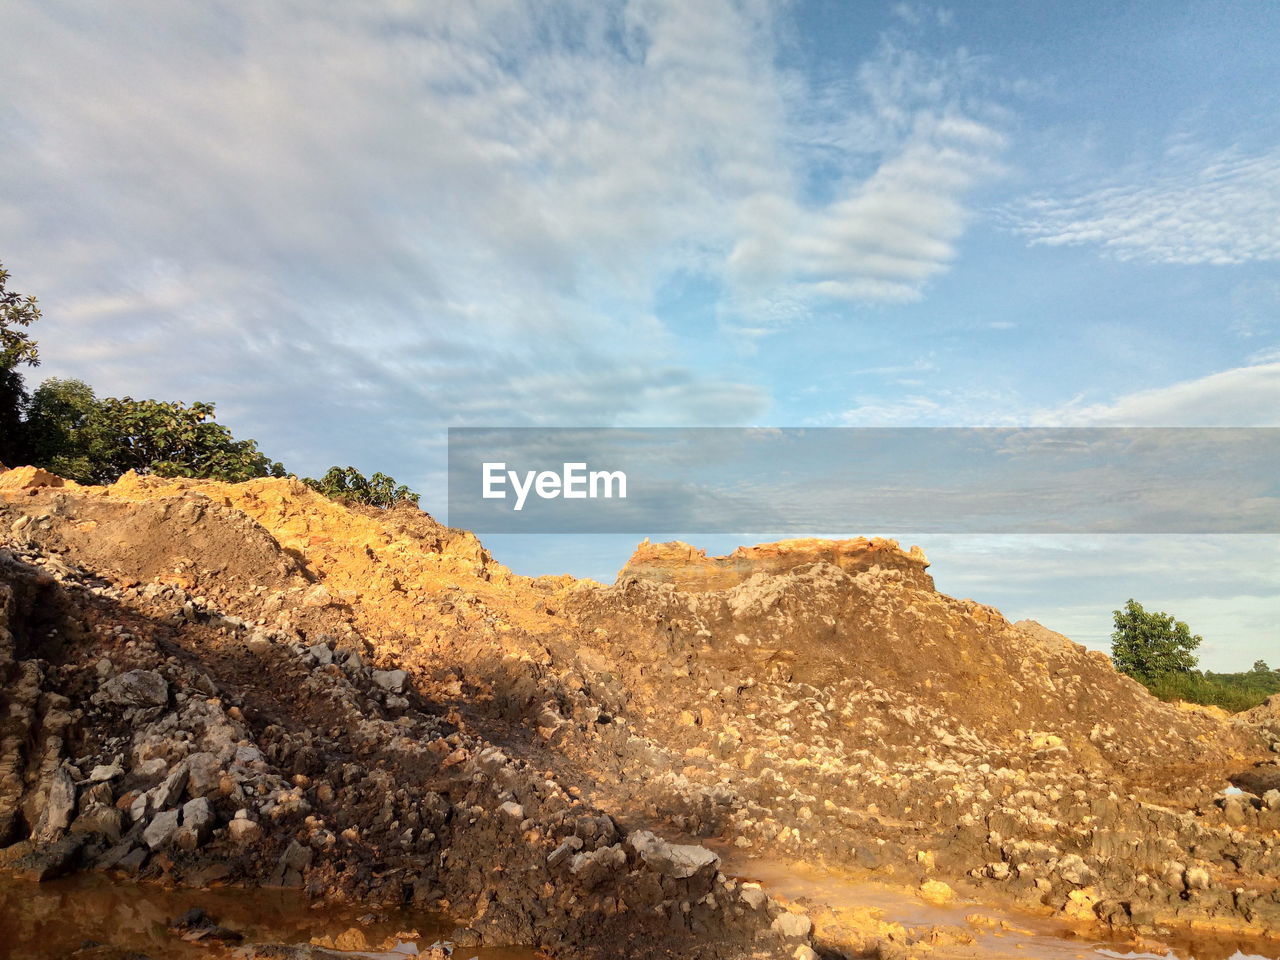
{"x":64,"y":427}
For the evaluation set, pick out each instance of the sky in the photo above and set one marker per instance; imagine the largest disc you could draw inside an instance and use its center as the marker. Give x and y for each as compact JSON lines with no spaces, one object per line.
{"x":353,"y":225}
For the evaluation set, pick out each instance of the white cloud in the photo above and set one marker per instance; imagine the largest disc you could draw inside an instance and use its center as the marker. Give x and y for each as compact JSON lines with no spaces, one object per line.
{"x":937,"y":407}
{"x":917,"y":14}
{"x":1240,"y":397}
{"x":1191,"y":208}
{"x":1271,"y":355}
{"x":331,"y":216}
{"x":1247,"y":396}
{"x":884,"y":234}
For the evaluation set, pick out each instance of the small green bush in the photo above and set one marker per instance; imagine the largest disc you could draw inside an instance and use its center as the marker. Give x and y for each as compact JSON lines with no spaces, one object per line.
{"x":350,"y":485}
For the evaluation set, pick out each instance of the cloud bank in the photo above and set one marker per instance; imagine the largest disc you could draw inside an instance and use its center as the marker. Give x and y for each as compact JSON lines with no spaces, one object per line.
{"x":392,"y":217}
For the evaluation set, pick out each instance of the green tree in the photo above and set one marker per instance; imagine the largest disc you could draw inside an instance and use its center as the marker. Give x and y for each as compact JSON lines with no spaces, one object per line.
{"x":17,"y":313}
{"x":168,"y":439}
{"x":349,"y":484}
{"x":55,"y":430}
{"x":1148,"y":646}
{"x":1260,"y":666}
{"x":71,"y":432}
{"x":13,"y":397}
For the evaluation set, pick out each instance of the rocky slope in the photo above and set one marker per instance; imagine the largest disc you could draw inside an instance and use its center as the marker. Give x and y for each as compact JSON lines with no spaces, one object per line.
{"x":250,"y":683}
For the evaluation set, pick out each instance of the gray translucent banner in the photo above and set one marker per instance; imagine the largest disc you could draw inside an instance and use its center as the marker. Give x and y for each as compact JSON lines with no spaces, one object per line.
{"x":814,"y":481}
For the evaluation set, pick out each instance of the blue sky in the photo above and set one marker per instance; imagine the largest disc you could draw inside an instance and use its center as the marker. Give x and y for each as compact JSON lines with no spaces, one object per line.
{"x":354,"y":225}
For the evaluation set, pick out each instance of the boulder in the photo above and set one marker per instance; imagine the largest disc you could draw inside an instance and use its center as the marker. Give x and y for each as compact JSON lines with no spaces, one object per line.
{"x":595,"y":867}
{"x":793,"y":926}
{"x":391,"y":681}
{"x":197,"y":816}
{"x":512,"y":810}
{"x":296,"y":856}
{"x":47,"y":861}
{"x":204,"y":774}
{"x":293,"y":863}
{"x":137,"y":688}
{"x":101,"y":819}
{"x":317,"y":596}
{"x":753,"y":895}
{"x":160,"y":831}
{"x":679,"y":860}
{"x":243,"y":830}
{"x":196,"y":926}
{"x":567,"y":848}
{"x":59,"y":805}
{"x":936,"y":892}
{"x":104,"y":772}
{"x":141,"y":807}
{"x":169,"y":790}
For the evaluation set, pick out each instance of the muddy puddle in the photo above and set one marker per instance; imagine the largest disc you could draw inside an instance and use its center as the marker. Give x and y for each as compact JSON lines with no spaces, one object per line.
{"x":1001,"y":931}
{"x":54,"y":919}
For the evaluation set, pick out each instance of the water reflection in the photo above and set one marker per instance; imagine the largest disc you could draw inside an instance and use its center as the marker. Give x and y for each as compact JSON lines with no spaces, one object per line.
{"x":52,"y":920}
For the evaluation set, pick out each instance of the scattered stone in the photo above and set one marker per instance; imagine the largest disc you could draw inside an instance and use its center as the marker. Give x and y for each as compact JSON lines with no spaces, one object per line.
{"x":763,"y":698}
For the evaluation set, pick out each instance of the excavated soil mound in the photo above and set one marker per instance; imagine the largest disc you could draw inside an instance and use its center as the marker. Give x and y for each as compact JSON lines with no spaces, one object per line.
{"x":251,"y":683}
